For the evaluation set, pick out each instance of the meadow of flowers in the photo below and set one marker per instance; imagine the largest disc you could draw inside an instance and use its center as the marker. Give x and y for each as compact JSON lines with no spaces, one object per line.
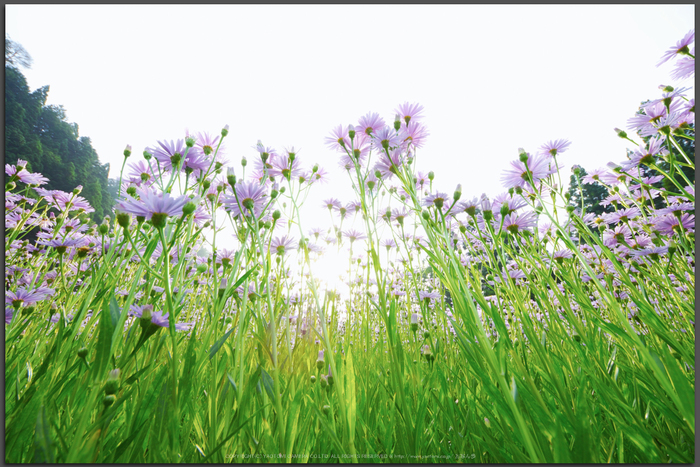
{"x":507,"y":329}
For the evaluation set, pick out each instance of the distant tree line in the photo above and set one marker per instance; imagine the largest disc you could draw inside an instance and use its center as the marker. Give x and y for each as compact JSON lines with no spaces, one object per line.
{"x":39,"y":134}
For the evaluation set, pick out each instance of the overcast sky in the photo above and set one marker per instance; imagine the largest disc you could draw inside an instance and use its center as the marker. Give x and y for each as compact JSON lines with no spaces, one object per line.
{"x":491,"y":78}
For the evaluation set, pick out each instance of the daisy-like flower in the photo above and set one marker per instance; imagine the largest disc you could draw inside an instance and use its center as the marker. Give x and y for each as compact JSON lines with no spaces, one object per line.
{"x":685,"y":67}
{"x":388,"y":243}
{"x":427,"y":296}
{"x":207,"y":144}
{"x":669,"y":223}
{"x":370,"y":123}
{"x":281,"y":245}
{"x":409,"y":112}
{"x":623,"y":215}
{"x":20,"y":173}
{"x":251,"y":199}
{"x":594,"y":176}
{"x":62,"y":244}
{"x":332,"y":204}
{"x":354,"y":235}
{"x":141,"y":172}
{"x":169,"y":153}
{"x":399,"y":215}
{"x":652,"y":253}
{"x":23,"y":297}
{"x":387,"y":165}
{"x":621,"y":234}
{"x":413,"y":135}
{"x":553,"y":148}
{"x":339,"y":139}
{"x":681,"y":47}
{"x":285,"y":167}
{"x":437,"y":199}
{"x":520,"y":175}
{"x":320,"y":175}
{"x":517,"y":222}
{"x":560,"y":255}
{"x":385,"y":139}
{"x":645,"y":153}
{"x":153,"y":205}
{"x":157,"y":318}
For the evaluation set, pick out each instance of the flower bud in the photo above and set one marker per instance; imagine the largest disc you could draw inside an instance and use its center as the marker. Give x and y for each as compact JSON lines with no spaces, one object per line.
{"x":224,"y":131}
{"x":313,"y":379}
{"x":276,"y":215}
{"x":244,"y":161}
{"x":414,"y":322}
{"x":458,"y":192}
{"x":82,"y":352}
{"x":201,"y":268}
{"x":620,"y":133}
{"x":425,"y":214}
{"x":326,"y":409}
{"x":188,"y":208}
{"x":431,"y":175}
{"x":147,"y":155}
{"x":123,"y":219}
{"x":127,"y":150}
{"x":351,"y":132}
{"x":109,"y":399}
{"x":77,"y":190}
{"x":112,"y":383}
{"x":320,"y":360}
{"x":103,"y":228}
{"x":324,"y":381}
{"x":397,"y":122}
{"x":523,"y":156}
{"x":231,"y":176}
{"x":189,"y":141}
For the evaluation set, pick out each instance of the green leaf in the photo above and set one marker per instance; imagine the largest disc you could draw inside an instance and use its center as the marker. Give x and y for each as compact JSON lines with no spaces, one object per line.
{"x":43,"y":444}
{"x":268,"y":383}
{"x":217,"y":345}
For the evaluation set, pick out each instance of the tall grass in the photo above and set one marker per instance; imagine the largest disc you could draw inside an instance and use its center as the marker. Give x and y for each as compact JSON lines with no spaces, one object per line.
{"x":511,"y":329}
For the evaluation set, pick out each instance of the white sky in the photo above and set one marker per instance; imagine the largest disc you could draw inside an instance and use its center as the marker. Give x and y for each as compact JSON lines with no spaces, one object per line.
{"x":491,"y":78}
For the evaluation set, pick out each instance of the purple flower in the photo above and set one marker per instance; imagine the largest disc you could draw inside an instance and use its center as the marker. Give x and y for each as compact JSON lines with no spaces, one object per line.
{"x":353,"y":235}
{"x":20,"y":173}
{"x":339,"y":138}
{"x":282,"y":245}
{"x":538,"y":167}
{"x":157,"y":317}
{"x":652,"y":253}
{"x":153,"y":205}
{"x":409,"y":112}
{"x":385,"y":139}
{"x":685,"y":67}
{"x":414,"y":135}
{"x":24,"y":297}
{"x":140,"y":172}
{"x":170,"y":153}
{"x":422,"y":295}
{"x":332,"y":203}
{"x":623,"y":215}
{"x":516,"y":222}
{"x":370,"y":123}
{"x":669,"y":223}
{"x":251,"y":199}
{"x":437,"y":199}
{"x":594,"y":175}
{"x":388,"y":243}
{"x":553,"y":148}
{"x":681,"y":47}
{"x":387,"y":165}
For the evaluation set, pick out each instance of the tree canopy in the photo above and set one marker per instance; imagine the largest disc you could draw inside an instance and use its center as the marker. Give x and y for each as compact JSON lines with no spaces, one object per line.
{"x":40,"y":134}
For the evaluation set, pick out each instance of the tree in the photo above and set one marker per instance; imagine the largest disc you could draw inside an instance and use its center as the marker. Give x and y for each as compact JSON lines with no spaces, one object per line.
{"x":40,"y":135}
{"x":587,"y":195}
{"x":15,"y":55}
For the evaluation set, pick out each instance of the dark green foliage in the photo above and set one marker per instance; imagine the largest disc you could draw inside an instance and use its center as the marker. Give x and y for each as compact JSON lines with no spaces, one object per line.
{"x":40,"y":135}
{"x":587,"y":195}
